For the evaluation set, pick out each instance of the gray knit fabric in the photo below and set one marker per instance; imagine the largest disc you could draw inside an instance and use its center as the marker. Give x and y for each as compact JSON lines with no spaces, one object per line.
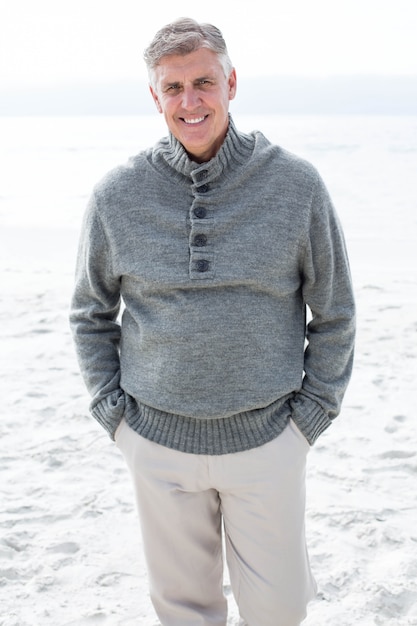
{"x":213,"y":266}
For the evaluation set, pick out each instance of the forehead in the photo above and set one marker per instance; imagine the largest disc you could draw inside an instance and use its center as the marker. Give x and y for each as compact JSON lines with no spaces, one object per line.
{"x":177,"y":67}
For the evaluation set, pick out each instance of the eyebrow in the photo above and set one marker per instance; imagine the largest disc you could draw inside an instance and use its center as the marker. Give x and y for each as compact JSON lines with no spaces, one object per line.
{"x":177,"y":83}
{"x":206,"y":77}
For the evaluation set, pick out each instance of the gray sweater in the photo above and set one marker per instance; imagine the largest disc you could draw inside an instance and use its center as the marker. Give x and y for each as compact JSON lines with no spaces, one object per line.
{"x":193,"y":283}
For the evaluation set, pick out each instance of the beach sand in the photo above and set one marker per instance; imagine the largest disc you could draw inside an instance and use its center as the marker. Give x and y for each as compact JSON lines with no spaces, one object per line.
{"x":70,"y":546}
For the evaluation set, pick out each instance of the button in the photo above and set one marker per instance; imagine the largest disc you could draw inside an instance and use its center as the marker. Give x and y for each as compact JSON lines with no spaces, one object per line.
{"x":200,"y":212}
{"x":202,"y":265}
{"x":203,"y":188}
{"x":200,"y":240}
{"x":202,"y":175}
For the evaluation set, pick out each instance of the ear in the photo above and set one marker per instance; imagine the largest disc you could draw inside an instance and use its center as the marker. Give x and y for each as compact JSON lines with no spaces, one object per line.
{"x":155,"y":98}
{"x":232,"y":84}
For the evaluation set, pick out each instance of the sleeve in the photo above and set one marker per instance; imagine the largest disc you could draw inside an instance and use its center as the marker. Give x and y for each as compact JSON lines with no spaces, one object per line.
{"x":330,"y":332}
{"x":94,"y":322}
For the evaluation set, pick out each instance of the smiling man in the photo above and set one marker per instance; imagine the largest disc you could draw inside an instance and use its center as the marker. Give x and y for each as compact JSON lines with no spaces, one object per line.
{"x":213,"y":385}
{"x":193,"y":93}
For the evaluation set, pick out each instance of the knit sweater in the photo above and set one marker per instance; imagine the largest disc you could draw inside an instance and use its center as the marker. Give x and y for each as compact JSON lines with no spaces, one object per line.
{"x":192,"y":286}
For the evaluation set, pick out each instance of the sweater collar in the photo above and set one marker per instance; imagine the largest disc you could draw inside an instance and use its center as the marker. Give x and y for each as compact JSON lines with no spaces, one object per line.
{"x":235,"y":150}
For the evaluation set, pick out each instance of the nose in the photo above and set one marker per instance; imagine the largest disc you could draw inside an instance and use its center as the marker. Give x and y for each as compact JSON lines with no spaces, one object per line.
{"x":190,"y":98}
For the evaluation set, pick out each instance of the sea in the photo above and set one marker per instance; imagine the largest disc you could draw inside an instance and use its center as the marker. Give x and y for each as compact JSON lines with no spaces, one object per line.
{"x":49,"y":166}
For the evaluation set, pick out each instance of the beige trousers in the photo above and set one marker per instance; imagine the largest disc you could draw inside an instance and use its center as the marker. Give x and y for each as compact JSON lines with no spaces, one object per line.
{"x":257,"y":495}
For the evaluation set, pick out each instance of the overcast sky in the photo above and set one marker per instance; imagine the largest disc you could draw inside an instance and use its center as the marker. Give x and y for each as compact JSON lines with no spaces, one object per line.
{"x":66,"y":41}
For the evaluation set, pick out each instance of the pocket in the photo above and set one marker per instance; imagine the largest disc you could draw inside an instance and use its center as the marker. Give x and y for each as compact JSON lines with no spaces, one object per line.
{"x":119,"y":430}
{"x":297,"y":432}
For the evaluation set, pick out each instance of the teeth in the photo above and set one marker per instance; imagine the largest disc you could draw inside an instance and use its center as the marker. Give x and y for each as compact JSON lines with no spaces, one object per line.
{"x":195,"y":120}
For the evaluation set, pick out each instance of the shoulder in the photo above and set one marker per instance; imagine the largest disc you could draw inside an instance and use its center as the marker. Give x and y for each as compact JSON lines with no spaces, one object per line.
{"x":278,"y":155}
{"x":289,"y":170}
{"x":122,"y":178}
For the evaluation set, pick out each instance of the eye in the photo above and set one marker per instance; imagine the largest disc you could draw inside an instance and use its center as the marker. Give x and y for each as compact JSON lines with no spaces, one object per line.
{"x":173,"y":87}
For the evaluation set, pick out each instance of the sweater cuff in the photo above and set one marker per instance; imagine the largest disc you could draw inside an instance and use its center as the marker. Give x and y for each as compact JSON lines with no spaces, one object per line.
{"x":109,"y":411}
{"x":309,"y":417}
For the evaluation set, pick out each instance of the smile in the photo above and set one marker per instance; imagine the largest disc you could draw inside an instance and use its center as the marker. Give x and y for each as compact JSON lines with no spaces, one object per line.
{"x":194,"y":120}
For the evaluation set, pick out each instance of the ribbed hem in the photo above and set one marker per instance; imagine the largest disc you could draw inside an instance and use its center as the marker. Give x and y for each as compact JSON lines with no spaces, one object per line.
{"x":239,"y":432}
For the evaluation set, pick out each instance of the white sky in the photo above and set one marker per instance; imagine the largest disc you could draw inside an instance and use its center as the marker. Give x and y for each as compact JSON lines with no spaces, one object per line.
{"x":65,"y":41}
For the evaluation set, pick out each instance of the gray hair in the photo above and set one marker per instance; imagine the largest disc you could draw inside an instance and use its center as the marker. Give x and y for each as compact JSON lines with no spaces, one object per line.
{"x":182,"y":37}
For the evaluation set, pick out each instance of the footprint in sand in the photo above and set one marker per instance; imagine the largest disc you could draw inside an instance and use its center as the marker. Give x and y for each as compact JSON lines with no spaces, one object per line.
{"x":394,"y":427}
{"x":397,"y":454}
{"x":110,"y":579}
{"x":68,"y":547}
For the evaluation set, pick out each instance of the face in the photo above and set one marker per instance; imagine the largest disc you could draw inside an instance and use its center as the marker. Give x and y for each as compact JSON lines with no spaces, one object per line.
{"x":193,"y":94}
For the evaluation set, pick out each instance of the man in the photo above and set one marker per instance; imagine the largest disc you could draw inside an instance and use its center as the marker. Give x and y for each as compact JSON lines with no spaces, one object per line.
{"x":215,"y":242}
